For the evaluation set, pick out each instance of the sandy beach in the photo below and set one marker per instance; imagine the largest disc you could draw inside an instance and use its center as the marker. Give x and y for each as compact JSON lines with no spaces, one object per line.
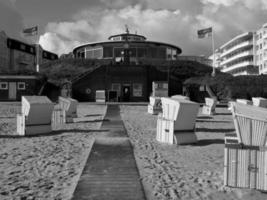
{"x":49,"y":166}
{"x":187,"y":171}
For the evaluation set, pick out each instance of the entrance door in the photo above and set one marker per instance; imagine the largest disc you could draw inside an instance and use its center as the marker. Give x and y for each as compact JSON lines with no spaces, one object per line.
{"x":12,"y":91}
{"x":126,"y":93}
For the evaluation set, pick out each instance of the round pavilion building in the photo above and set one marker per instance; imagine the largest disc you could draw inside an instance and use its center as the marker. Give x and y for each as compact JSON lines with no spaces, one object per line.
{"x":128,"y":48}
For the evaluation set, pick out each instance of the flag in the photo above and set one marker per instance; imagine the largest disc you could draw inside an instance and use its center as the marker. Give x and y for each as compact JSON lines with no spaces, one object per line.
{"x":204,"y":32}
{"x":31,"y":31}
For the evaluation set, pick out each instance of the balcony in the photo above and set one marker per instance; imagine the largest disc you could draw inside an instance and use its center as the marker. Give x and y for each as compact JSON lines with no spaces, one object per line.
{"x":236,"y":66}
{"x":236,"y":47}
{"x":237,"y":56}
{"x":241,"y":73}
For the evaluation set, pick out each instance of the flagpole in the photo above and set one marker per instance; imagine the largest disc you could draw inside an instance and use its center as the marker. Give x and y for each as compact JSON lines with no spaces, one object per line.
{"x":213,"y":60}
{"x":37,"y":49}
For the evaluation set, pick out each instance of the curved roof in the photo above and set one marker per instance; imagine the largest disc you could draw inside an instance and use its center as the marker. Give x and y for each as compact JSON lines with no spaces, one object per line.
{"x":179,"y":50}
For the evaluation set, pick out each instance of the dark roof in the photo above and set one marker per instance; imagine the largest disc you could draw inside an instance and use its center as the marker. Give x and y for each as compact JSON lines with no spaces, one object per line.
{"x":127,"y":34}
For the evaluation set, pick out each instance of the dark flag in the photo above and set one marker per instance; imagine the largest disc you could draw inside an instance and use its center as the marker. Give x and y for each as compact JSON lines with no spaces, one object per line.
{"x":31,"y":31}
{"x":204,"y":32}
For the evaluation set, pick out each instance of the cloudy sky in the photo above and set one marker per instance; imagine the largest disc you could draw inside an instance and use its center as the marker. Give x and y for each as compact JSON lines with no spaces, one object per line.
{"x":64,"y":24}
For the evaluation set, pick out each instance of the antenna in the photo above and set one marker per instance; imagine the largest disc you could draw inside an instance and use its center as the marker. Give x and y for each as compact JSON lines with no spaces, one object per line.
{"x":127,"y":29}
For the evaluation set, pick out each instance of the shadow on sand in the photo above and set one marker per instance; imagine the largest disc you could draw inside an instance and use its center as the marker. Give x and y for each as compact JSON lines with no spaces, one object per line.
{"x":55,"y":132}
{"x":214,"y":130}
{"x":207,"y":142}
{"x":91,"y":121}
{"x":93,"y":115}
{"x":223,"y":113}
{"x":204,"y":117}
{"x":215,"y":121}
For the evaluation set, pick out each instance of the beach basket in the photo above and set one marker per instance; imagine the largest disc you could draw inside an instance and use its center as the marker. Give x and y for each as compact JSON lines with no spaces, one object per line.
{"x":58,"y":116}
{"x":155,"y":101}
{"x":176,"y":125}
{"x":183,"y":112}
{"x":245,"y":166}
{"x":69,"y":106}
{"x":154,"y":106}
{"x":244,"y":101}
{"x":259,"y":101}
{"x":35,"y":117}
{"x":209,"y":107}
{"x":180,"y":97}
{"x":100,"y":96}
{"x":250,"y":124}
{"x":166,"y":133}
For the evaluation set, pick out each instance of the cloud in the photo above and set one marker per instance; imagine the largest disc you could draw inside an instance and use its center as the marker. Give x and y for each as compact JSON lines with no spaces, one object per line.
{"x":250,"y":4}
{"x":56,"y":43}
{"x":177,"y":23}
{"x":94,"y":25}
{"x":220,"y":2}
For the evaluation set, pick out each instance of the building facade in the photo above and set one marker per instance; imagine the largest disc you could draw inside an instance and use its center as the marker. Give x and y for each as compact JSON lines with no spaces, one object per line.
{"x":12,"y":87}
{"x":261,"y":49}
{"x":245,"y":54}
{"x":123,"y":82}
{"x":201,"y":59}
{"x":17,"y":55}
{"x":128,"y":48}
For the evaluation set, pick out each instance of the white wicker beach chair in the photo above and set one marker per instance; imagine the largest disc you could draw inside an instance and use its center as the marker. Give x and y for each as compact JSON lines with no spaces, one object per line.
{"x":209,"y":107}
{"x":259,"y":101}
{"x":250,"y":124}
{"x":180,"y":97}
{"x":176,"y":125}
{"x":35,"y":117}
{"x":69,"y":106}
{"x":154,"y":106}
{"x":244,"y":101}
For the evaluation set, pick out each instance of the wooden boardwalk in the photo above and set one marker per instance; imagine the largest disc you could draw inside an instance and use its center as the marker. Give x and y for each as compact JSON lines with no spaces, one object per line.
{"x":110,"y":172}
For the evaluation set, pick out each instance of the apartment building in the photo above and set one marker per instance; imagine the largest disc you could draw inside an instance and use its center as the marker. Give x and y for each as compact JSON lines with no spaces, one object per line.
{"x":201,"y":59}
{"x":261,"y":49}
{"x":245,"y":54}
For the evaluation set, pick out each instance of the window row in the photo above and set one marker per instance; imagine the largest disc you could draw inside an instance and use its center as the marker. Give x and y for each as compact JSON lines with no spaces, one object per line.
{"x":20,"y":86}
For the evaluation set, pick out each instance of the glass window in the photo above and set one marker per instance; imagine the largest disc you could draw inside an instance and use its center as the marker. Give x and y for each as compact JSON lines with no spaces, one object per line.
{"x":82,"y":54}
{"x":162,"y":53}
{"x":141,"y":52}
{"x":21,"y":86}
{"x":137,"y":90}
{"x":22,"y":47}
{"x":132,"y":52}
{"x":116,"y":87}
{"x":118,"y":52}
{"x":3,"y":86}
{"x":98,"y":53}
{"x":89,"y":54}
{"x":108,"y":52}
